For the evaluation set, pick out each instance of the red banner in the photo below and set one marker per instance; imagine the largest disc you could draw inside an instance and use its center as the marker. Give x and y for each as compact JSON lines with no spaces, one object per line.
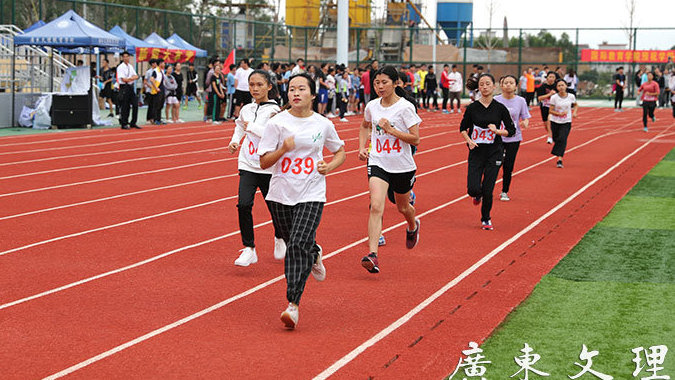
{"x":169,"y":56}
{"x":651,"y":56}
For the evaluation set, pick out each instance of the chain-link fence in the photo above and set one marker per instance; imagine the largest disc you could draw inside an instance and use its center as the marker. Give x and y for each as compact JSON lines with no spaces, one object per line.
{"x":499,"y":51}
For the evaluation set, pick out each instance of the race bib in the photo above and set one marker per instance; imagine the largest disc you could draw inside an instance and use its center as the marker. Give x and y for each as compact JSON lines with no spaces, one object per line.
{"x":482,"y":135}
{"x":386,"y":144}
{"x":297,"y":167}
{"x":251,"y":149}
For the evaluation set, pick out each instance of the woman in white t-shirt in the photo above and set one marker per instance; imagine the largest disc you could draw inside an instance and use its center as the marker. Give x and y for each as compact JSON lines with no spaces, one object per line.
{"x":562,"y":107}
{"x":292,"y":145}
{"x":249,"y":126}
{"x":393,"y":126}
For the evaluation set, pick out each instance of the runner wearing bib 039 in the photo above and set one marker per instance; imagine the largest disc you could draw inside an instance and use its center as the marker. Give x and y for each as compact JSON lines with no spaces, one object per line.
{"x":297,"y":167}
{"x":482,"y":135}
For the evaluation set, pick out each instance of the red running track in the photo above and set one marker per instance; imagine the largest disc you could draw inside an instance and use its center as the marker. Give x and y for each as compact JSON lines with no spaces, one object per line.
{"x":123,"y":271}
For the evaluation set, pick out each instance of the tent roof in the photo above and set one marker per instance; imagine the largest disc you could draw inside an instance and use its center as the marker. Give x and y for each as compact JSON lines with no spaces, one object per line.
{"x":131,"y":42}
{"x":70,"y":30}
{"x":38,"y":24}
{"x":176,"y":40}
{"x":157,"y":41}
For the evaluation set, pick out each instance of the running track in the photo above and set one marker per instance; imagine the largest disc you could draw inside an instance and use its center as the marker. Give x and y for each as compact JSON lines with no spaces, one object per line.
{"x":116,"y":253}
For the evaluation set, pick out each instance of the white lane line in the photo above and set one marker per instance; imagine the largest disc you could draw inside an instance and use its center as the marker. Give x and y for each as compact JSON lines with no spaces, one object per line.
{"x":145,"y":172}
{"x":111,"y":151}
{"x":117,"y":162}
{"x":111,"y":142}
{"x":114,"y":177}
{"x":421,"y":306}
{"x":263,"y":285}
{"x":106,"y":135}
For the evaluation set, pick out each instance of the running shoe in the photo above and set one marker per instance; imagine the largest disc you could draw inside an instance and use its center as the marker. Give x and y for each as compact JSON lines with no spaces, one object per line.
{"x":645,"y":129}
{"x":445,"y":111}
{"x":381,"y":241}
{"x":370,"y":263}
{"x":344,"y":120}
{"x":487,"y":225}
{"x":549,"y":140}
{"x":111,"y":115}
{"x":559,"y":164}
{"x":279,"y":248}
{"x":412,"y":198}
{"x":504,"y":197}
{"x":653,"y":119}
{"x":318,"y":270}
{"x":476,"y":200}
{"x":452,"y":111}
{"x":412,"y":237}
{"x":290,"y":316}
{"x":199,"y":107}
{"x":247,"y":257}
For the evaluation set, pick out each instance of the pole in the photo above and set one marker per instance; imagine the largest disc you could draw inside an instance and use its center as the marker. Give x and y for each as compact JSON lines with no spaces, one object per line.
{"x":343,"y":32}
{"x":13,"y":12}
{"x":576,"y":54}
{"x":274,"y":41}
{"x":358,"y":47}
{"x":520,"y":52}
{"x":51,"y":69}
{"x":464,"y":63}
{"x":306,"y":42}
{"x":433,"y":51}
{"x":215,"y":45}
{"x":13,"y":82}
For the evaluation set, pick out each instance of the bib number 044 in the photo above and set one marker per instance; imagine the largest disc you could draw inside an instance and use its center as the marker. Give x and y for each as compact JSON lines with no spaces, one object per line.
{"x":386,"y":146}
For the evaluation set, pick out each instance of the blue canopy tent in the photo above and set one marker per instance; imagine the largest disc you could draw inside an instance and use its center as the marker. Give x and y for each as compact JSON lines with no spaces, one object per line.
{"x":156,"y":41}
{"x":131,"y":42}
{"x":66,"y":32}
{"x":176,"y":40}
{"x":38,"y":24}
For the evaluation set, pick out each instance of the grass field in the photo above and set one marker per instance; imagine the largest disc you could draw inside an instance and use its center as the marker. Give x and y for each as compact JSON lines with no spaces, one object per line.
{"x":613,"y":292}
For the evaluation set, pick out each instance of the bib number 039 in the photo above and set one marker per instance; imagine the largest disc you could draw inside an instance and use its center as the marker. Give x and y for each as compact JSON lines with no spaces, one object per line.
{"x":297,"y":165}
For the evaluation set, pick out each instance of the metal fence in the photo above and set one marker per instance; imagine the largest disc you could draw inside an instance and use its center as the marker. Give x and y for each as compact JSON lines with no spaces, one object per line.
{"x":500,"y":51}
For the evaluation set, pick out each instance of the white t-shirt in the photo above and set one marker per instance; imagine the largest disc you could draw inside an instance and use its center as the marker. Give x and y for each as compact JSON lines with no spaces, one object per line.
{"x":388,"y":152}
{"x":455,"y":81}
{"x":559,"y":104}
{"x":295,"y":178}
{"x":241,"y":76}
{"x":257,"y":117}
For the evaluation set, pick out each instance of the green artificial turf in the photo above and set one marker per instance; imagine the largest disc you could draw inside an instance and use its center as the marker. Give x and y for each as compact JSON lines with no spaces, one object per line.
{"x":609,"y":317}
{"x":613,"y":292}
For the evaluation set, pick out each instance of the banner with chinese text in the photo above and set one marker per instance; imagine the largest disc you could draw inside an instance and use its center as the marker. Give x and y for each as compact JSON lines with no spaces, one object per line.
{"x":652,"y":56}
{"x":169,"y":56}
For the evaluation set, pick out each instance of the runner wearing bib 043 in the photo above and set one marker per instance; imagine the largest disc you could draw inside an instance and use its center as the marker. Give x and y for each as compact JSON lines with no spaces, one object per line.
{"x":482,"y":135}
{"x":251,"y":151}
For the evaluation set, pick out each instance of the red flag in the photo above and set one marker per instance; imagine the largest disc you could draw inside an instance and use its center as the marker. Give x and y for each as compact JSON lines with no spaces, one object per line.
{"x":228,"y":62}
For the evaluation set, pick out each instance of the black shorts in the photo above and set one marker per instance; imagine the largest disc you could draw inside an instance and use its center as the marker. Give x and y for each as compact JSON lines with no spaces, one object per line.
{"x":544,"y":114}
{"x":400,"y":183}
{"x":242,"y":98}
{"x":191,"y":89}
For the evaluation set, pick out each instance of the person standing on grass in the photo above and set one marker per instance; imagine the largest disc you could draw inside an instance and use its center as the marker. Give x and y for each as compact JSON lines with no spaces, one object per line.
{"x":126,"y":76}
{"x":544,"y":94}
{"x":480,"y":128}
{"x":619,"y":85}
{"x":191,"y":88}
{"x":292,"y":145}
{"x":563,"y":106}
{"x":650,"y":93}
{"x":671,"y":85}
{"x":250,"y":126}
{"x":455,"y":89}
{"x":217,"y":94}
{"x":445,"y":87}
{"x":178,"y":76}
{"x":393,"y":126}
{"x":518,"y":110}
{"x":430,"y":84}
{"x":171,"y":102}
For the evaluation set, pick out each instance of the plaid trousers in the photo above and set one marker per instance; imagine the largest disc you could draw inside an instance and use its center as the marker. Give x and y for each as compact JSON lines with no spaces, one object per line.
{"x":297,"y":225}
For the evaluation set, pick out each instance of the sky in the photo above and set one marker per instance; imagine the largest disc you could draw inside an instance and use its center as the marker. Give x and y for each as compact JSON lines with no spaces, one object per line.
{"x":571,"y":14}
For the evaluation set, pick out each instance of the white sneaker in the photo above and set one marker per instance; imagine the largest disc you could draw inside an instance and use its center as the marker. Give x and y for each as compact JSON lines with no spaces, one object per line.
{"x":459,"y":111}
{"x":247,"y":257}
{"x":279,"y":248}
{"x":343,"y":120}
{"x":452,"y":111}
{"x":549,"y":140}
{"x":504,"y":197}
{"x":318,"y":270}
{"x":290,"y":316}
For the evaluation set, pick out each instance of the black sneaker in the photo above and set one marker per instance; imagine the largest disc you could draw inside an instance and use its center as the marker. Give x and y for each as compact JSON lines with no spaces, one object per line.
{"x":559,"y":164}
{"x":370,"y":263}
{"x":412,"y":237}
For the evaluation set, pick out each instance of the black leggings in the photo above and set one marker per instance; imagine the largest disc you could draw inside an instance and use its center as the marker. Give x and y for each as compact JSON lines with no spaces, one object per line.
{"x":510,"y":152}
{"x":618,"y":98}
{"x":249,"y":183}
{"x":560,"y":133}
{"x":446,"y":93}
{"x":484,"y":162}
{"x":647,"y":110}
